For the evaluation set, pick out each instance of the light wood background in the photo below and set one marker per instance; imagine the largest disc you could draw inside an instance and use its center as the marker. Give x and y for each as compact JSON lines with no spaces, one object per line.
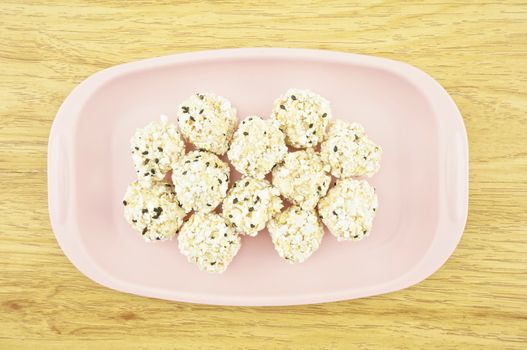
{"x":476,"y":50}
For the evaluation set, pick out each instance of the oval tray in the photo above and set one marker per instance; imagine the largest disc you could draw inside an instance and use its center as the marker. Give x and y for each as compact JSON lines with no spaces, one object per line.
{"x":422,"y":184}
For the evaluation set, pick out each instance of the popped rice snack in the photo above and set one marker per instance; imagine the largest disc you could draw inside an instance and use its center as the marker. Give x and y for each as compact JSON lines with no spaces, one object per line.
{"x":155,"y":150}
{"x":296,"y":233}
{"x":250,"y":203}
{"x":153,"y":210}
{"x":303,"y":117}
{"x":206,"y":240}
{"x":302,"y":178}
{"x":207,"y":121}
{"x":201,"y":180}
{"x":348,"y":209}
{"x":257,"y":146}
{"x":349,"y":152}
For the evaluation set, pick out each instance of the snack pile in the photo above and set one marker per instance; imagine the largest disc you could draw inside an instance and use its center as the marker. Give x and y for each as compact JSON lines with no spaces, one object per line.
{"x":286,"y":183}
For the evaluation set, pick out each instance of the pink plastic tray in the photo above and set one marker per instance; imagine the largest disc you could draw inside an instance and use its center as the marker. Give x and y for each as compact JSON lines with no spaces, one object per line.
{"x":422,"y":185}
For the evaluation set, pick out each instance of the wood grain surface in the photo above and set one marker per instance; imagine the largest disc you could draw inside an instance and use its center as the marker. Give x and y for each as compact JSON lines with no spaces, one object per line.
{"x":476,"y":50}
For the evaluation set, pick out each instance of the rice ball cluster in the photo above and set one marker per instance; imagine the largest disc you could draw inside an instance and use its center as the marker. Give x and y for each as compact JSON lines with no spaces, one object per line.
{"x":286,"y":190}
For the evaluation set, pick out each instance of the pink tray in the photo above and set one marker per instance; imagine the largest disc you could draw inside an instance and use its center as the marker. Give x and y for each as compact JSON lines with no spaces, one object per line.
{"x":422,"y":185}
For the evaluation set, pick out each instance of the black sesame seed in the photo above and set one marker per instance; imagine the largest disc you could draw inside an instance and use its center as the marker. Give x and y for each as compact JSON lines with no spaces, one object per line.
{"x":293,"y":97}
{"x":314,"y":132}
{"x":252,"y":226}
{"x":152,"y":171}
{"x":230,"y":216}
{"x":160,"y":149}
{"x":282,"y":106}
{"x":365,"y":158}
{"x":235,"y":200}
{"x":185,"y":172}
{"x":335,"y":149}
{"x":265,"y":132}
{"x":200,"y":96}
{"x":207,"y":164}
{"x":310,"y":125}
{"x":201,"y":111}
{"x":147,"y":174}
{"x":208,"y":205}
{"x":245,"y":133}
{"x":213,"y":263}
{"x":374,"y":209}
{"x":144,"y":230}
{"x":136,"y":148}
{"x":364,"y":231}
{"x":224,"y":235}
{"x":156,"y":160}
{"x":192,"y":118}
{"x":219,"y":180}
{"x":144,"y":211}
{"x":251,"y":209}
{"x":134,"y":220}
{"x":247,"y":184}
{"x":257,"y":199}
{"x":146,"y":161}
{"x":356,"y":236}
{"x":184,"y":109}
{"x":324,"y":115}
{"x":158,"y":238}
{"x":334,"y":213}
{"x":125,"y":202}
{"x":356,"y":138}
{"x":319,"y":188}
{"x":145,"y":153}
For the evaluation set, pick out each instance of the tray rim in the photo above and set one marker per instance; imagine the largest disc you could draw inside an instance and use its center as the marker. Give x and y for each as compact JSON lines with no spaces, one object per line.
{"x":454,"y":163}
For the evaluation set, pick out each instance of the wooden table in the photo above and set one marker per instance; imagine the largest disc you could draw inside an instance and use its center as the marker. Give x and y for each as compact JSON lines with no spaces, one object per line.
{"x":478,"y":52}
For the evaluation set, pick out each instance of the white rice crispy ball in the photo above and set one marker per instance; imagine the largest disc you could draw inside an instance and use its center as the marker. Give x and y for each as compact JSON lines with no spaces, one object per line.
{"x":348,"y":209}
{"x":208,"y":121}
{"x":349,"y":152}
{"x":206,"y":240}
{"x":303,"y":117}
{"x":155,"y":150}
{"x":153,"y":210}
{"x":201,"y":180}
{"x":302,"y":178}
{"x":296,"y":233}
{"x":250,"y":203}
{"x":256,"y":147}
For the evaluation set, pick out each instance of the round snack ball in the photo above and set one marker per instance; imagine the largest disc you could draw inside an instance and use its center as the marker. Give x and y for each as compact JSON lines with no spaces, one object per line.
{"x":208,"y":121}
{"x":303,"y":117}
{"x":256,"y":147}
{"x":153,"y":210}
{"x":200,"y":180}
{"x":296,"y":233}
{"x":250,"y":203}
{"x":206,"y":240}
{"x":348,"y":209}
{"x":302,"y":178}
{"x":349,"y":152}
{"x":155,"y":149}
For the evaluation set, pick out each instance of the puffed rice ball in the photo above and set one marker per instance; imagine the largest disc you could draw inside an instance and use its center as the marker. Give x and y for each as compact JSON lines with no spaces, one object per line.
{"x":208,"y":121}
{"x":303,"y":117}
{"x":153,"y":210}
{"x":206,"y":240}
{"x":201,"y":180}
{"x":256,"y":147}
{"x":250,"y":203}
{"x":296,"y":233}
{"x":348,"y":209}
{"x":302,"y":178}
{"x":349,"y":152}
{"x":155,"y":149}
